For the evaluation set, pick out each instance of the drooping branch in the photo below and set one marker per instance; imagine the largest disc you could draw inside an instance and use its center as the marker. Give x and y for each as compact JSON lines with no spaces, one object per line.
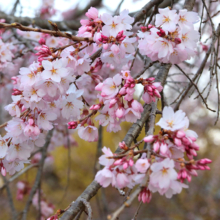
{"x":133,"y":132}
{"x":200,"y":70}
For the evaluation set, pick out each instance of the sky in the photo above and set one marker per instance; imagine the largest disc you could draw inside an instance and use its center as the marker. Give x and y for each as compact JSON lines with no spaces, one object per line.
{"x":29,"y":7}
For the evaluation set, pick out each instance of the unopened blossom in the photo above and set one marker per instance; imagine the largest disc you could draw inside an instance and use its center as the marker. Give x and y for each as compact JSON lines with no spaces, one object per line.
{"x":145,"y":195}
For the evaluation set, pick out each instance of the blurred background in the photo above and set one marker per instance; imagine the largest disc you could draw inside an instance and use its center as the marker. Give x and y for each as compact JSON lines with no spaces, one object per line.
{"x":70,"y":169}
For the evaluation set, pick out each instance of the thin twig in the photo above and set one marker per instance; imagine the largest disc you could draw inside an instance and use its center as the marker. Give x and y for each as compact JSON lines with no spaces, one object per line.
{"x":19,"y":174}
{"x":10,"y":199}
{"x":39,"y":174}
{"x":204,"y":101}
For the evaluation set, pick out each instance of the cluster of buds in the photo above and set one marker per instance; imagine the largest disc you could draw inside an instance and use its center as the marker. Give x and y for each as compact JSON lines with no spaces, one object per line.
{"x":72,"y":124}
{"x":43,"y":52}
{"x":145,"y":195}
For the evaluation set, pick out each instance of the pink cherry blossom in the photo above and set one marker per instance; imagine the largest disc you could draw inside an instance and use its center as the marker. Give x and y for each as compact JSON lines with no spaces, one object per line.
{"x":88,"y":133}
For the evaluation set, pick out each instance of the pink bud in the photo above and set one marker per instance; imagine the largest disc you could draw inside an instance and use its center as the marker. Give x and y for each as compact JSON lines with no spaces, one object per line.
{"x":149,"y":138}
{"x":177,"y":40}
{"x":31,"y":121}
{"x":3,"y":171}
{"x":156,"y":93}
{"x":180,"y":134}
{"x":144,"y":29}
{"x":163,"y":148}
{"x":195,"y":146}
{"x":99,"y":87}
{"x":122,"y":91}
{"x":177,"y":142}
{"x":105,"y":46}
{"x":156,"y":146}
{"x":131,"y":162}
{"x":113,"y":102}
{"x":125,"y":166}
{"x":150,"y":26}
{"x":120,"y":112}
{"x":42,"y":41}
{"x":185,"y":141}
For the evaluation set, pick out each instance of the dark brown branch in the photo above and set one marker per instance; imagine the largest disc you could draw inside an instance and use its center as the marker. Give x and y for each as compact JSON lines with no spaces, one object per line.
{"x":55,"y":33}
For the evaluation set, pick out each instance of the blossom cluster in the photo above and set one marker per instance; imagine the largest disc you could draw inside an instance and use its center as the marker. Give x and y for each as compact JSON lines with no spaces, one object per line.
{"x":64,"y":82}
{"x":165,"y":170}
{"x":172,"y":39}
{"x":117,"y":104}
{"x":56,"y":89}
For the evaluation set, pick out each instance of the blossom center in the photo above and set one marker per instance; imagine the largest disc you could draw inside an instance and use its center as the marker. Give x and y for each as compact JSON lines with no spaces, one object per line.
{"x":182,"y":19}
{"x":54,"y":71}
{"x":164,"y":170}
{"x":69,"y":105}
{"x":111,"y":55}
{"x":170,"y":123}
{"x":166,"y":19}
{"x":112,"y":87}
{"x":113,"y":25}
{"x":90,"y":130}
{"x":17,"y":147}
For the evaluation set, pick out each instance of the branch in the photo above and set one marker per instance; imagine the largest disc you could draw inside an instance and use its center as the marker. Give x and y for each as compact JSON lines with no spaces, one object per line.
{"x":62,"y":25}
{"x":201,"y":68}
{"x":204,"y":101}
{"x":10,"y":199}
{"x":126,"y":204}
{"x":133,"y":132}
{"x":56,"y":33}
{"x":39,"y":174}
{"x":19,"y":174}
{"x":146,"y":10}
